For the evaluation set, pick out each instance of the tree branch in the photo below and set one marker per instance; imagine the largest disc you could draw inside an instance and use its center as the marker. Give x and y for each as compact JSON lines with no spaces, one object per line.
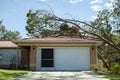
{"x":95,"y":34}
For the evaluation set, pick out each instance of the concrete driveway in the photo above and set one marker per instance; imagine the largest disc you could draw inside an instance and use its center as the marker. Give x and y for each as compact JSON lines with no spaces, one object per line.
{"x":61,"y":75}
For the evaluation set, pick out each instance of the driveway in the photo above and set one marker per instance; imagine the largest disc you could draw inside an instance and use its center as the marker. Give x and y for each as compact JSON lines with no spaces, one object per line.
{"x":61,"y":75}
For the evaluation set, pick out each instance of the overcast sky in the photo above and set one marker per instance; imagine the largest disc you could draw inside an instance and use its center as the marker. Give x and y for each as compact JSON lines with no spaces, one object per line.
{"x":13,"y":12}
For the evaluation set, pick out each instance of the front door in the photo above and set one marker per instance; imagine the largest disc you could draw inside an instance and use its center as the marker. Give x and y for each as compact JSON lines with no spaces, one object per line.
{"x":47,"y":59}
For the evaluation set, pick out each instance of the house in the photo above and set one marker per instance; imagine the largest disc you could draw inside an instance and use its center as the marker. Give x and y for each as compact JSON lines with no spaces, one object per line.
{"x":58,"y":53}
{"x":8,"y":52}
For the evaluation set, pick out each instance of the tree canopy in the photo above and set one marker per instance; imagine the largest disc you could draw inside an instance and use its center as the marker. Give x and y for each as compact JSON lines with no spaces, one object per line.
{"x":8,"y":35}
{"x":39,"y":26}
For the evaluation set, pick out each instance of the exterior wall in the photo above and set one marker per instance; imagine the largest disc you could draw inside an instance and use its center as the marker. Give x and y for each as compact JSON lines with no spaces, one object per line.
{"x":8,"y":57}
{"x":93,"y":58}
{"x":33,"y":52}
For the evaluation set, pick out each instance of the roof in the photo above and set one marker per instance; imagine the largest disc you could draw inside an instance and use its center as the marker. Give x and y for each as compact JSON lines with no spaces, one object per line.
{"x":7,"y":44}
{"x":55,"y":39}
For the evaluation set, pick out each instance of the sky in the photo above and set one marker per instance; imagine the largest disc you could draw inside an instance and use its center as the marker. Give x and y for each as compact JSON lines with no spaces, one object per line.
{"x":13,"y":12}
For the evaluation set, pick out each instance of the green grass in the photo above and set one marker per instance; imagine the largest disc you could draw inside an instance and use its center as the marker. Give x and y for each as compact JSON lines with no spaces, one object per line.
{"x":9,"y":74}
{"x":110,"y":76}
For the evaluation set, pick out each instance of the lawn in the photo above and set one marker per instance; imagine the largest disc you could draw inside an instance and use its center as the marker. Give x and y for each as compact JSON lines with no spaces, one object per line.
{"x":9,"y":74}
{"x":110,"y":76}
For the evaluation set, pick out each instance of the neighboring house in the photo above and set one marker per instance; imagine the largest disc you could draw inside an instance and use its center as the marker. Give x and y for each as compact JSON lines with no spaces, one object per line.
{"x":8,"y":52}
{"x":58,"y":53}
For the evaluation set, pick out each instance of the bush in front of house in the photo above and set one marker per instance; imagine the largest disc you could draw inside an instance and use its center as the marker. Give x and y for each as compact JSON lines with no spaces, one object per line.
{"x":115,"y":68}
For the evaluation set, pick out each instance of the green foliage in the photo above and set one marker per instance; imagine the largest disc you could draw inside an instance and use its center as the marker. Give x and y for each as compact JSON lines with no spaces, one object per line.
{"x":9,"y":74}
{"x":37,"y":23}
{"x":47,"y":33}
{"x":12,"y":35}
{"x":33,"y":26}
{"x":103,"y":24}
{"x":40,"y":25}
{"x":2,"y":29}
{"x":109,"y":75}
{"x":116,"y":14}
{"x":107,"y":26}
{"x":115,"y":68}
{"x":7,"y":34}
{"x":64,"y":27}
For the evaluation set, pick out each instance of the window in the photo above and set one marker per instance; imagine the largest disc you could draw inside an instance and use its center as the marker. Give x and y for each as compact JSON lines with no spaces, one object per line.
{"x":47,"y":58}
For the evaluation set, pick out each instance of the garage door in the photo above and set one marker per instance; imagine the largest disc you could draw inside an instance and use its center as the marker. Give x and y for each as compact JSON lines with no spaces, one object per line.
{"x":62,"y":58}
{"x":74,"y":58}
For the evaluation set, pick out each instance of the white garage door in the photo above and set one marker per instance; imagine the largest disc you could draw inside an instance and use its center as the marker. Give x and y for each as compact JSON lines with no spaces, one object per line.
{"x":70,"y":58}
{"x":74,"y":58}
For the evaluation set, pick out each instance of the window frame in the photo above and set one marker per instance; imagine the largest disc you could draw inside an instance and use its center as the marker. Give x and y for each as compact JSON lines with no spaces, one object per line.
{"x":44,"y":60}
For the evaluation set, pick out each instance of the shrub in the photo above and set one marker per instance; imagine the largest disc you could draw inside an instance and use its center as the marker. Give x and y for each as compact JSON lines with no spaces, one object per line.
{"x":115,"y":68}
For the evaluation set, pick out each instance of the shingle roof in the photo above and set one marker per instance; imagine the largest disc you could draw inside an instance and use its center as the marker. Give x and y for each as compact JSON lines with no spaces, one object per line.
{"x":7,"y":44}
{"x":55,"y":39}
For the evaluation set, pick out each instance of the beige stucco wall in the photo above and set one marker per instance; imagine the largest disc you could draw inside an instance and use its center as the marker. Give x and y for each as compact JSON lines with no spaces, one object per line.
{"x":93,"y":58}
{"x":33,"y":52}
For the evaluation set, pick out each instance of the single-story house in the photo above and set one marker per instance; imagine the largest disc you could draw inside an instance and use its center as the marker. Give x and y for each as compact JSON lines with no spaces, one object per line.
{"x":58,"y":53}
{"x":8,"y":51}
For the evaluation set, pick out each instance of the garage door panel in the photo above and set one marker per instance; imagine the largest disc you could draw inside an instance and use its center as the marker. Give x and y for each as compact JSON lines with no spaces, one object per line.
{"x":68,"y":58}
{"x":74,"y":58}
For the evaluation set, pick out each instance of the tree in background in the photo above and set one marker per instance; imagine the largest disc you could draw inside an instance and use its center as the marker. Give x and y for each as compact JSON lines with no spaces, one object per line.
{"x":7,"y":35}
{"x":105,"y":26}
{"x":66,"y":30}
{"x":108,"y":26}
{"x":37,"y":27}
{"x":100,"y":28}
{"x":2,"y":30}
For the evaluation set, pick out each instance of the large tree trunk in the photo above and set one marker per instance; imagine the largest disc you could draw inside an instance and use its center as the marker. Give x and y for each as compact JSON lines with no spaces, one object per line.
{"x":104,"y":62}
